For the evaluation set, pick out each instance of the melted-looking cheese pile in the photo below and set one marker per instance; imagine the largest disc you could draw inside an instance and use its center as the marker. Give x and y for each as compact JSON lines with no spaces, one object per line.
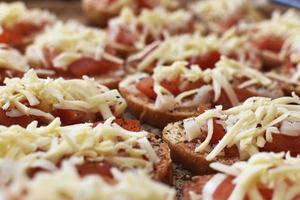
{"x":278,"y":172}
{"x":12,"y":59}
{"x":154,"y":22}
{"x":214,"y":80}
{"x":72,"y":41}
{"x":11,"y":13}
{"x":54,"y":142}
{"x":175,"y":49}
{"x":67,"y":183}
{"x":248,"y":126}
{"x":46,"y":95}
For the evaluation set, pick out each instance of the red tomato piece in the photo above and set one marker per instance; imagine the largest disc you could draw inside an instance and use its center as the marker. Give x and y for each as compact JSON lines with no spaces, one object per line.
{"x":145,"y":85}
{"x":129,"y":124}
{"x":69,"y":117}
{"x":89,"y":66}
{"x":271,"y":43}
{"x":224,"y":190}
{"x":99,"y":168}
{"x":218,"y":133}
{"x":207,"y":60}
{"x":123,"y":35}
{"x":193,"y":85}
{"x":285,"y":143}
{"x":242,"y":95}
{"x":8,"y":121}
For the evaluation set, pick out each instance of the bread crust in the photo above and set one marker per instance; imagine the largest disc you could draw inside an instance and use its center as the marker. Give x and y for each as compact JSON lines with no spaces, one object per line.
{"x":111,"y":79}
{"x":144,"y":108}
{"x":184,"y":154}
{"x":196,"y":186}
{"x":96,"y":13}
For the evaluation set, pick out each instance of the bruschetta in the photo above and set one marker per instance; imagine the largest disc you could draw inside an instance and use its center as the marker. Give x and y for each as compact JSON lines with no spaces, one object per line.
{"x":220,"y":15}
{"x":74,"y":101}
{"x":12,"y":63}
{"x":19,"y":25}
{"x":101,"y":146}
{"x":130,"y":32}
{"x":100,"y":11}
{"x":264,"y":176}
{"x":175,"y":92}
{"x":259,"y":124}
{"x":66,"y":183}
{"x":72,"y":50}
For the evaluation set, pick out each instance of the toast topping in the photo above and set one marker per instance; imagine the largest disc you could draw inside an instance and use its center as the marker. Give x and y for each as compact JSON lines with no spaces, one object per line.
{"x":35,"y":96}
{"x":150,"y":23}
{"x":11,"y":13}
{"x":248,"y":126}
{"x":176,"y":48}
{"x":12,"y":59}
{"x":67,"y":183}
{"x":72,"y":41}
{"x":54,"y":142}
{"x":199,"y":84}
{"x":277,"y":173}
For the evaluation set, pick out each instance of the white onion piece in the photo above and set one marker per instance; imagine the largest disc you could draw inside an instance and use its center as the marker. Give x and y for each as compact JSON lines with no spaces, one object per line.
{"x":290,"y":128}
{"x":211,"y":186}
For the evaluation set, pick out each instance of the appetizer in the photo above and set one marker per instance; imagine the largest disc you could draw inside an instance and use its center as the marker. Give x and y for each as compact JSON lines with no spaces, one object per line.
{"x":66,"y":183}
{"x":100,"y":11}
{"x":274,"y":40}
{"x":130,"y":32}
{"x":259,"y":124}
{"x":100,"y":146}
{"x":31,"y":98}
{"x":175,"y":92}
{"x":19,"y":25}
{"x":12,"y":63}
{"x":264,"y":176}
{"x":72,"y":50}
{"x":219,"y":15}
{"x":195,"y":49}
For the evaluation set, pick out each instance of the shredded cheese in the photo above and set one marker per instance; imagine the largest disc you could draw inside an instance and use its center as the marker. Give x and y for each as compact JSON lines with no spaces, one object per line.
{"x":155,"y":23}
{"x":221,"y":77}
{"x":276,"y":172}
{"x":176,"y":48}
{"x":71,"y":41}
{"x":66,"y":182}
{"x":250,"y":125}
{"x":54,"y":142}
{"x":12,"y":59}
{"x":46,"y":95}
{"x":16,"y":12}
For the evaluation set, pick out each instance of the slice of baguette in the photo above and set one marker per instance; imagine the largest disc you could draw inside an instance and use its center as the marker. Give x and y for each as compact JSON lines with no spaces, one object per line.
{"x":195,"y":186}
{"x":96,"y":13}
{"x":144,"y":108}
{"x":184,"y":153}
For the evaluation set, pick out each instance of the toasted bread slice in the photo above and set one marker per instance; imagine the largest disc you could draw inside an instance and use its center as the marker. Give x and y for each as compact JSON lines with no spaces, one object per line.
{"x":96,"y":13}
{"x":184,"y":152}
{"x":195,"y":186}
{"x":144,"y":108}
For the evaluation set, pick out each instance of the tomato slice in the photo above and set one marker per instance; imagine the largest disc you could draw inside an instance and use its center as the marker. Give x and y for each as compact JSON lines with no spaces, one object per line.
{"x":241,"y":93}
{"x":129,"y":124}
{"x":122,"y":35}
{"x":218,"y":133}
{"x":207,"y":60}
{"x":100,"y":168}
{"x":145,"y":85}
{"x":284,"y":143}
{"x":69,"y":117}
{"x":271,"y":43}
{"x":19,"y":33}
{"x":8,"y":121}
{"x":224,"y":190}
